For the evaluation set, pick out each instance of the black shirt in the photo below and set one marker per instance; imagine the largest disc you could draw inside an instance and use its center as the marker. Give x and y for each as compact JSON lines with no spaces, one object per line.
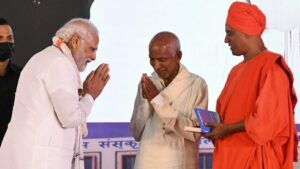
{"x":8,"y":85}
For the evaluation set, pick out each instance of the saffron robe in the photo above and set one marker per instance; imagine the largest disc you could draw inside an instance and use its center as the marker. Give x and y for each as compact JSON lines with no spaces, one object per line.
{"x":159,"y":125}
{"x":260,"y":93}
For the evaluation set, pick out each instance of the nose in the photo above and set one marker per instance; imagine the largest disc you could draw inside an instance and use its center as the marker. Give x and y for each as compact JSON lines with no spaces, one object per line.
{"x":155,"y":65}
{"x":93,"y":56}
{"x":226,"y":39}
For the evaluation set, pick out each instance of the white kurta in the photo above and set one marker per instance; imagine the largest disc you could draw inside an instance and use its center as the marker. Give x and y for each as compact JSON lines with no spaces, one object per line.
{"x":47,"y":110}
{"x":159,"y":125}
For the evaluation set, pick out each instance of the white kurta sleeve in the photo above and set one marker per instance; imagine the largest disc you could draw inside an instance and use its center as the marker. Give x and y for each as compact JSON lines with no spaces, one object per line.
{"x":140,"y":115}
{"x":62,"y":85}
{"x":174,"y":120}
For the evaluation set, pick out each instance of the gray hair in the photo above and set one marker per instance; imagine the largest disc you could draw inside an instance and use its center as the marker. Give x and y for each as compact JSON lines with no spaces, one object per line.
{"x":80,"y":26}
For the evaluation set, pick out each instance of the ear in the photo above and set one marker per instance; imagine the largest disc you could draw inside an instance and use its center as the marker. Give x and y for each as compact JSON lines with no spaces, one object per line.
{"x":74,"y":42}
{"x":179,"y":55}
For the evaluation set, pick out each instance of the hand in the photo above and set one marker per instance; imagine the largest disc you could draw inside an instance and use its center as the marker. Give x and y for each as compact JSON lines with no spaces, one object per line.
{"x":149,"y":90}
{"x":219,"y":131}
{"x":196,"y":124}
{"x":96,"y":81}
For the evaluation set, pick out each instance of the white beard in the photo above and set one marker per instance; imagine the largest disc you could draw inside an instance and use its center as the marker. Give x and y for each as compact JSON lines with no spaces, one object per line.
{"x":80,"y":60}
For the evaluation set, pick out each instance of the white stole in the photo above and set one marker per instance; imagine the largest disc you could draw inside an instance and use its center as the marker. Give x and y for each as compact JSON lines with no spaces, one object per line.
{"x":178,"y":85}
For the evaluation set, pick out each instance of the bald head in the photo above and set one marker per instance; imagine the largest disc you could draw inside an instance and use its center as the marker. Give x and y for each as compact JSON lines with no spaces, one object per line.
{"x":166,"y":40}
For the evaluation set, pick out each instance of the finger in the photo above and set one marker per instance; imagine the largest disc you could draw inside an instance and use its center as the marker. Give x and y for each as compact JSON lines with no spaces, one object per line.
{"x":99,"y":67}
{"x":197,"y":135}
{"x":147,"y":79}
{"x":151,"y":89}
{"x":195,"y":123}
{"x":143,"y":78}
{"x":145,"y":91}
{"x":207,"y":135}
{"x":144,"y":75}
{"x":150,"y":84}
{"x":102,"y":67}
{"x":143,"y":85}
{"x":104,"y":73}
{"x":105,"y":69}
{"x":103,"y":83}
{"x":210,"y":124}
{"x":90,"y":76}
{"x":101,"y":74}
{"x":106,"y":79}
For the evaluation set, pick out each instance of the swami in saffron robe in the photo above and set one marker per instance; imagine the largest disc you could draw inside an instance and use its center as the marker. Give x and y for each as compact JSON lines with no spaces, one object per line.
{"x":260,"y":93}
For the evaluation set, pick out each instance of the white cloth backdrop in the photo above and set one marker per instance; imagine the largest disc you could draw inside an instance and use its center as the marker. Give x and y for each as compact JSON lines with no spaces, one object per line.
{"x":284,"y":15}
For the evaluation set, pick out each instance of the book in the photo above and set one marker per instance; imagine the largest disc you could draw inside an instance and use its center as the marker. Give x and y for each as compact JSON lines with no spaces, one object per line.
{"x":192,"y":129}
{"x":204,"y":116}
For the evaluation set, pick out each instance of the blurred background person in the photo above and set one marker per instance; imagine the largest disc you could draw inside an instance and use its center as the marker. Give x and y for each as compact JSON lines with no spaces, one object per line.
{"x":9,"y":75}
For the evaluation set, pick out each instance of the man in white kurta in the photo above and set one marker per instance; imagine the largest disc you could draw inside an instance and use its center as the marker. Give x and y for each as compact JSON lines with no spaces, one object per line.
{"x":45,"y":126}
{"x":158,"y":122}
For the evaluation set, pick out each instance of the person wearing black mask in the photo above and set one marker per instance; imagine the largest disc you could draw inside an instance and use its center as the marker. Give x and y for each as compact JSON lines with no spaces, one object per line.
{"x":9,"y":75}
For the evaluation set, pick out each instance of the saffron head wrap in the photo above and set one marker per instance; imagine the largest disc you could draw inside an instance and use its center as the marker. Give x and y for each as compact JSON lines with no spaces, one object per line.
{"x":246,"y":18}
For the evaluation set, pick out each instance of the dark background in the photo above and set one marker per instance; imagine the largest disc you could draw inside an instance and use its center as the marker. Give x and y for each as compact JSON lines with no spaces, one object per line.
{"x":34,"y":22}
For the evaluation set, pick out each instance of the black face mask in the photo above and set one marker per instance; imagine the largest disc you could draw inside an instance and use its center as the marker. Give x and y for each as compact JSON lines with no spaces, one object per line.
{"x":6,"y":50}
